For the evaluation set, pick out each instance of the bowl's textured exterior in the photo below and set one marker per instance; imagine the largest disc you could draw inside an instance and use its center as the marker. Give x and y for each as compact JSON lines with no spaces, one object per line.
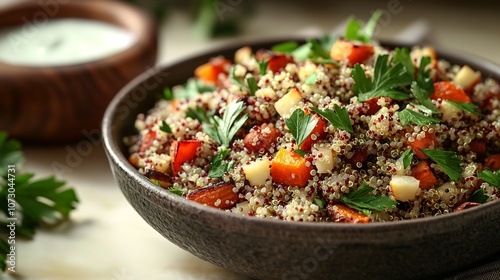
{"x":271,"y":249}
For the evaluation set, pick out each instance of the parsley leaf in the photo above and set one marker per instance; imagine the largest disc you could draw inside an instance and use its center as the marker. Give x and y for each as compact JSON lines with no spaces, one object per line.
{"x":39,"y":201}
{"x":176,"y":191}
{"x":168,"y":94}
{"x":449,"y":162}
{"x":285,"y":47}
{"x":252,"y":85}
{"x":263,"y":67}
{"x":199,"y":113}
{"x":320,"y":201}
{"x":386,"y":78}
{"x":217,"y":165}
{"x":402,"y":55}
{"x":407,"y":158}
{"x":165,"y":127}
{"x":10,"y":153}
{"x":339,"y":118}
{"x":423,"y":97}
{"x":223,"y":130}
{"x":300,"y":125}
{"x":312,"y":79}
{"x":364,"y":200}
{"x":478,"y":196}
{"x":424,"y":79}
{"x":492,"y":178}
{"x":467,"y":107}
{"x":234,"y":80}
{"x":354,"y":32}
{"x":316,"y":51}
{"x":192,"y":88}
{"x":408,"y":116}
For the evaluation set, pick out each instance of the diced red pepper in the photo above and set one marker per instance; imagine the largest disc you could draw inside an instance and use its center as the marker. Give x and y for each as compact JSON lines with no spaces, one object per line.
{"x":181,"y":152}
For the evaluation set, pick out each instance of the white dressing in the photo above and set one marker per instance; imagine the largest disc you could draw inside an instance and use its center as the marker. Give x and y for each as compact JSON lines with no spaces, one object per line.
{"x":62,"y":42}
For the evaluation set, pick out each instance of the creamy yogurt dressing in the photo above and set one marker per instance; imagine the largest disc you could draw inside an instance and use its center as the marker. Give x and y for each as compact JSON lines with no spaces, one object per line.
{"x":62,"y":42}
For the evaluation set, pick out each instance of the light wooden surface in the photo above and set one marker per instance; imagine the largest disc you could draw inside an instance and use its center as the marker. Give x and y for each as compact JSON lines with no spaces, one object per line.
{"x":108,"y":240}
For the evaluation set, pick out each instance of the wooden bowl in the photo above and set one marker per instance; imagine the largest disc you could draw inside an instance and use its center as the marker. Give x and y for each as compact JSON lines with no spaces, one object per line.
{"x":426,"y":248}
{"x":63,"y":103}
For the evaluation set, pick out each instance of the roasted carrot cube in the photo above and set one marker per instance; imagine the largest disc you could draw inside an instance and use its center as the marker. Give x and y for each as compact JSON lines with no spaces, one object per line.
{"x":424,"y":174}
{"x":493,"y":162}
{"x":449,"y":91}
{"x":290,"y":168}
{"x":219,"y":196}
{"x":340,"y":213}
{"x":428,"y":141}
{"x":209,"y":72}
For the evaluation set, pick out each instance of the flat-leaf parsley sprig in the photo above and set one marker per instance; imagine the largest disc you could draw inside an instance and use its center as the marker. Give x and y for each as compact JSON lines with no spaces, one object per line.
{"x":223,"y":131}
{"x":339,"y":118}
{"x":300,"y":125}
{"x":365,"y":201}
{"x":387,"y":78}
{"x":38,"y":201}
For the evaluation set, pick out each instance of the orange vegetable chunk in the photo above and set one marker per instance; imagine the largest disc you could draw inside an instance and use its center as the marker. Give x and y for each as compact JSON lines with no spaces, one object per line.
{"x":424,"y":174}
{"x":449,"y":91}
{"x":428,"y":141}
{"x":181,"y":152}
{"x":219,"y":196}
{"x":290,"y":168}
{"x":350,"y":51}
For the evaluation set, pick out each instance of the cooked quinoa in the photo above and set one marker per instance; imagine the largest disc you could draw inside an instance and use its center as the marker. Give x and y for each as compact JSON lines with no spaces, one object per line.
{"x":383,"y":151}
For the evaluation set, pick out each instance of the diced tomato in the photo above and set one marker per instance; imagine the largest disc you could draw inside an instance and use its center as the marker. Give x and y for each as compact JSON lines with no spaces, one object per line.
{"x":360,"y":155}
{"x":181,"y":152}
{"x":276,"y":63}
{"x":424,"y":174}
{"x":209,"y":72}
{"x":318,"y":132}
{"x":219,"y":196}
{"x":373,"y":106}
{"x":449,"y":91}
{"x":478,"y":146}
{"x":290,"y":168}
{"x":493,"y":162}
{"x":428,"y":141}
{"x":352,"y":52}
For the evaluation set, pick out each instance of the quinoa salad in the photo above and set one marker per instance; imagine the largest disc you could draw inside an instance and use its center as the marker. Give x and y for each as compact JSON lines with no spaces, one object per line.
{"x":331,"y":130}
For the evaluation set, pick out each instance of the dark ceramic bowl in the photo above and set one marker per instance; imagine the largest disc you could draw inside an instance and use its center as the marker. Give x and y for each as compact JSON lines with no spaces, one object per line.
{"x":272,"y":249}
{"x":62,"y":103}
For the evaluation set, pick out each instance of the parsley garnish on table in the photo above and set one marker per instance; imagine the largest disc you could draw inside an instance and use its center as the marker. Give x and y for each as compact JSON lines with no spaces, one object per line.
{"x":223,"y":131}
{"x":365,"y":201}
{"x":37,"y":201}
{"x":300,"y":125}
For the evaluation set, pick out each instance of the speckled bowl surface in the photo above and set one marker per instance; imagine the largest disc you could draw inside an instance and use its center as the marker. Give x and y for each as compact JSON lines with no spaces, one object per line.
{"x":272,"y":249}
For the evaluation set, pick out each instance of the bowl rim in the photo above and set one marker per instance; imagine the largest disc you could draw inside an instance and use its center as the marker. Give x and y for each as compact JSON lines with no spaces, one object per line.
{"x":115,"y":155}
{"x":146,"y":29}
